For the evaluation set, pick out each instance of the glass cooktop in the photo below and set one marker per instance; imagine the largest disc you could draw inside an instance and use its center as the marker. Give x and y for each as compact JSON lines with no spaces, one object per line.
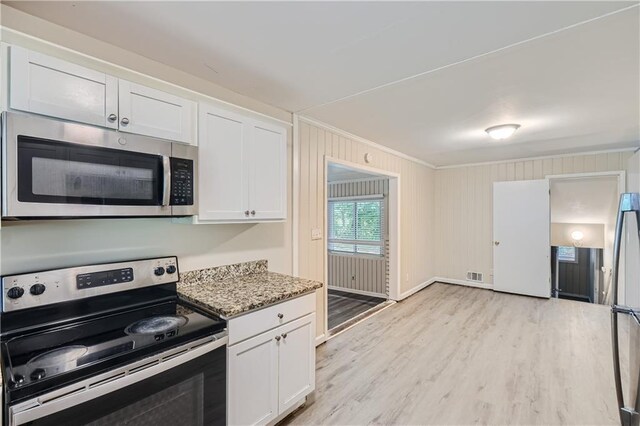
{"x":57,"y":356}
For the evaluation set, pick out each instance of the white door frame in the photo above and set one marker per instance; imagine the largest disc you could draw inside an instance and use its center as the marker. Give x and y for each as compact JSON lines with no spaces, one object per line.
{"x":622,"y":185}
{"x":394,"y":229}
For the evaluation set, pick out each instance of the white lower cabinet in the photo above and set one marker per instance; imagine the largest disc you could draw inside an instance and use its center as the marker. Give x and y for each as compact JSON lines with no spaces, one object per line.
{"x":296,"y":361}
{"x":272,"y":372}
{"x":253,"y":381}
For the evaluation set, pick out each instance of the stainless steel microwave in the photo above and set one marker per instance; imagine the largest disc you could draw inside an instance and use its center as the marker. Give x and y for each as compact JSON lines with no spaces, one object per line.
{"x":55,"y":169}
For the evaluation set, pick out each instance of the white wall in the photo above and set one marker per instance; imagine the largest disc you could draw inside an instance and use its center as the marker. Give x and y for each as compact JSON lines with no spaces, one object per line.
{"x":34,"y":245}
{"x":464,"y":206}
{"x":593,"y":234}
{"x":416,"y":205}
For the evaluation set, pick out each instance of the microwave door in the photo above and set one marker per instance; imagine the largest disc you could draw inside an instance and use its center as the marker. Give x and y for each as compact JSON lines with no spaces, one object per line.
{"x":59,"y":169}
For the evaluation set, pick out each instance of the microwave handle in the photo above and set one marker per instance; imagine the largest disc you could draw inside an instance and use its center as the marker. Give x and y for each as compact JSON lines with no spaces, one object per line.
{"x":166,"y":180}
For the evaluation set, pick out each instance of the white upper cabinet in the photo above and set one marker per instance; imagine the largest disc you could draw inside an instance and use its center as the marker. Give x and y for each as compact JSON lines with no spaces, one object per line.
{"x":222,"y":179}
{"x":151,"y":112}
{"x":50,"y":86}
{"x":268,"y":171}
{"x":243,"y":168}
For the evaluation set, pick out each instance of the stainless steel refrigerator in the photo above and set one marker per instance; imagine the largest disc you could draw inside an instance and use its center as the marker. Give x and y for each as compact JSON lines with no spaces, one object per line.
{"x":625,"y":317}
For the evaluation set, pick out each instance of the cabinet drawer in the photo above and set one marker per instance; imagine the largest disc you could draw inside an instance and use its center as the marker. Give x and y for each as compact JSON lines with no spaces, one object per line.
{"x":257,"y":322}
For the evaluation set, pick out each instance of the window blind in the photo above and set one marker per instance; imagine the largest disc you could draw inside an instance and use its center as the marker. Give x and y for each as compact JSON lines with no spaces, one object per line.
{"x":356,"y":226}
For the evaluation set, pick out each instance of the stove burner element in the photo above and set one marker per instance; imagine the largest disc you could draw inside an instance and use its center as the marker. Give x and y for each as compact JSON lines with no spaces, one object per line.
{"x":58,"y":357}
{"x":159,"y":324}
{"x":38,"y":373}
{"x":18,"y":379}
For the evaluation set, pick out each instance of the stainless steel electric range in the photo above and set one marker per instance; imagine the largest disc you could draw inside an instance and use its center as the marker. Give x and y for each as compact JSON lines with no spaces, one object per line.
{"x":109,"y":344}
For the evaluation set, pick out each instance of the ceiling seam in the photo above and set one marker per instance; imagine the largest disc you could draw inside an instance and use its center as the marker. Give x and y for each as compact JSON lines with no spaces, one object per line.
{"x":392,"y":83}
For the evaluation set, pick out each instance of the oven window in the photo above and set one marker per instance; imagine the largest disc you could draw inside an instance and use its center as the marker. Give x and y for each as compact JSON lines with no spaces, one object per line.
{"x":180,"y":404}
{"x":60,"y":172}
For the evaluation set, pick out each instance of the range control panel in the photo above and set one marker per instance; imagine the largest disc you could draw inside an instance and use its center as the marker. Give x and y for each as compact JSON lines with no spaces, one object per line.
{"x":94,"y":279}
{"x":62,"y":285}
{"x":181,"y":182}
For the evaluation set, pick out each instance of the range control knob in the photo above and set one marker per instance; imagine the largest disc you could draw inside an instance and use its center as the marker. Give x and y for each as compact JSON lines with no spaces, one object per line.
{"x":38,"y":373}
{"x":171,"y":269}
{"x":159,"y":271}
{"x":15,"y":292}
{"x":37,"y":289}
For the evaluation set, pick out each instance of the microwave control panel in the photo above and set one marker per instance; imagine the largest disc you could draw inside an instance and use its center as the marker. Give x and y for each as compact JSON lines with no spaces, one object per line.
{"x":181,"y":182}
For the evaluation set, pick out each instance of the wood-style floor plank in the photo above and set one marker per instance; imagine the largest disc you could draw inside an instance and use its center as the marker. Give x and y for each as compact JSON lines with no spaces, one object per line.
{"x":343,"y":306}
{"x":459,"y":355}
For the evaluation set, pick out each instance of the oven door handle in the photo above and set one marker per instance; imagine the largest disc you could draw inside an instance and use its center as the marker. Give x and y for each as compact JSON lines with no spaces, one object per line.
{"x":166,"y":181}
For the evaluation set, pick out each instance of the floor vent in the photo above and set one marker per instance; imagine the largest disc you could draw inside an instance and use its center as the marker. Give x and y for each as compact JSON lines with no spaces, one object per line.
{"x":475,"y":276}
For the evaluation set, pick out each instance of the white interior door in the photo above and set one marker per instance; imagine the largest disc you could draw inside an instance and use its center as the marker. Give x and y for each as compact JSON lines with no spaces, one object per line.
{"x":521,"y":250}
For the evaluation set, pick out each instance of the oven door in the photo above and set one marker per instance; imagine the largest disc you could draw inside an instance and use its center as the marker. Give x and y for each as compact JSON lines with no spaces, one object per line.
{"x":57,"y":169}
{"x":185,"y":386}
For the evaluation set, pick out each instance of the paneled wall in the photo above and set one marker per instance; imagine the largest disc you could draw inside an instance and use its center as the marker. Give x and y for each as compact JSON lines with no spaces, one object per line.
{"x":416,"y":203}
{"x":360,"y":274}
{"x":363,"y":274}
{"x":464,"y":206}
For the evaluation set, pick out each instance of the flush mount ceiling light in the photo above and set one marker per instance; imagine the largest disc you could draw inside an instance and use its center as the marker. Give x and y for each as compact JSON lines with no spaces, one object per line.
{"x":577,"y":237}
{"x":502,"y":131}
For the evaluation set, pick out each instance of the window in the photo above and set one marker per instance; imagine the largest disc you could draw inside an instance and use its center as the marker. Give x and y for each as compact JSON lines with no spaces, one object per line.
{"x":566,"y":254}
{"x":355,"y":226}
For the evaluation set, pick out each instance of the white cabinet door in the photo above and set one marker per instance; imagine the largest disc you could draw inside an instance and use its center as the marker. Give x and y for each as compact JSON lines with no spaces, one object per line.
{"x":151,"y":112}
{"x":45,"y":85}
{"x":222,"y":165}
{"x":297,"y":361}
{"x":253,"y":380}
{"x":268,"y":171}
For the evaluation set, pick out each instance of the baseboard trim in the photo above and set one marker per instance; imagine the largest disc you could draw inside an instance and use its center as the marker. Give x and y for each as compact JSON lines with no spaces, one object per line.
{"x":361,"y":292}
{"x":417,"y":288}
{"x":465,"y":283}
{"x":321,"y":339}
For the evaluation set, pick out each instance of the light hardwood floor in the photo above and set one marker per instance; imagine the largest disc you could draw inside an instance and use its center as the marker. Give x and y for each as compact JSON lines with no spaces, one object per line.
{"x":459,"y":355}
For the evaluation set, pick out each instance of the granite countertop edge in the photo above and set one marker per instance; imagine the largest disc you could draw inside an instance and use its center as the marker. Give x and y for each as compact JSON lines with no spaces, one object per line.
{"x":235,"y":296}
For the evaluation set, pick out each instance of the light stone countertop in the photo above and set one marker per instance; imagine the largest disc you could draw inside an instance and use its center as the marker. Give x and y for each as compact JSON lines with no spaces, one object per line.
{"x":232,"y":290}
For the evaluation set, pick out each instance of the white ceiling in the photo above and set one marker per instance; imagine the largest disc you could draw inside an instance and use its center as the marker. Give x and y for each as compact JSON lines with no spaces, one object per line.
{"x":585,"y":200}
{"x":574,"y":90}
{"x":338,"y":172}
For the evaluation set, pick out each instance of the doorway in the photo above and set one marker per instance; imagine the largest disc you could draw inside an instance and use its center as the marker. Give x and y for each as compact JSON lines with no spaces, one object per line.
{"x":583,"y":212}
{"x":361,"y":242}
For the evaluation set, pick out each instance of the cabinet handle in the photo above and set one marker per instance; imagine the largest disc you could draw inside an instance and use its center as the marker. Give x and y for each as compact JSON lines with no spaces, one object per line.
{"x":280,"y":316}
{"x":112,"y":117}
{"x":253,"y":212}
{"x":277,"y":338}
{"x":246,"y":212}
{"x":284,"y":335}
{"x":124,"y":121}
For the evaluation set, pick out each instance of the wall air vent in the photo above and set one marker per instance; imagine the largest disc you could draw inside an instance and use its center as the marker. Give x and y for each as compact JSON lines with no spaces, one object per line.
{"x":475,"y":276}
